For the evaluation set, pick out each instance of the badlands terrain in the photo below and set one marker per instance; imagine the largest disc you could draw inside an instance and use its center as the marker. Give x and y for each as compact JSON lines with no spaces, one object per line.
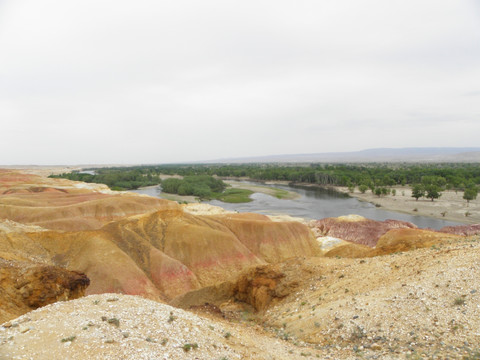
{"x":87,"y":272}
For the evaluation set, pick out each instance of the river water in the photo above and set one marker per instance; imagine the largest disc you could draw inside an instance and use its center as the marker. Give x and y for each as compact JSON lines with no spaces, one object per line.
{"x":317,"y":203}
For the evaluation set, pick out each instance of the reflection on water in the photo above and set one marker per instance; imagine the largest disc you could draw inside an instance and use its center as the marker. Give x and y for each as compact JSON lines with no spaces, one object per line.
{"x":317,"y":203}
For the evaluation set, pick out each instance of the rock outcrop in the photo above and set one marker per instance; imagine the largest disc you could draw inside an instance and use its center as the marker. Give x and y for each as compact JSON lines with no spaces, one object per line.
{"x":467,"y":230}
{"x":358,"y":229}
{"x":393,"y":241}
{"x":264,"y":286}
{"x":27,"y":286}
{"x":257,"y":288}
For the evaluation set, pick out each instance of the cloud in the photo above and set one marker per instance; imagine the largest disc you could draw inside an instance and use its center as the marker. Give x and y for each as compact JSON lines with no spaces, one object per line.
{"x":150,"y":82}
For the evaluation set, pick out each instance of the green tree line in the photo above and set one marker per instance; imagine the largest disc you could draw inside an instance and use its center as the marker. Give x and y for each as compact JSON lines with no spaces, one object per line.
{"x":428,"y":179}
{"x":115,"y":179}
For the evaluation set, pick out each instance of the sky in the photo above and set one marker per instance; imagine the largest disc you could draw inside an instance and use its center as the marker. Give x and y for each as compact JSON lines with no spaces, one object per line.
{"x":164,"y":81}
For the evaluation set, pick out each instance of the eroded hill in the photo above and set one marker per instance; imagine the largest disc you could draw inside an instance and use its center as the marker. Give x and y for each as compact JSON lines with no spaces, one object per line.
{"x":160,"y":254}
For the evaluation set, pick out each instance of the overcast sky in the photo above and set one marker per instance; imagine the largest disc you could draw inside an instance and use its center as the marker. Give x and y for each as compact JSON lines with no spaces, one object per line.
{"x":97,"y":81}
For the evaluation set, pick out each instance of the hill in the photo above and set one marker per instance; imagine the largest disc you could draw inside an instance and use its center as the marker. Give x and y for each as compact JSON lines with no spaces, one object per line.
{"x":248,"y":285}
{"x":423,"y":155}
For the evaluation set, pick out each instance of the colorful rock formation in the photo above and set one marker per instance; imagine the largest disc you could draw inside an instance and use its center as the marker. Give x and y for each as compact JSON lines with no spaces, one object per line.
{"x":160,"y":254}
{"x":467,"y":230}
{"x":358,"y":229}
{"x":60,"y":204}
{"x":27,"y":286}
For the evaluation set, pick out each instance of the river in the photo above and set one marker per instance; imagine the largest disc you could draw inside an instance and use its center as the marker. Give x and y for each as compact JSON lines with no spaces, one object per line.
{"x":317,"y":203}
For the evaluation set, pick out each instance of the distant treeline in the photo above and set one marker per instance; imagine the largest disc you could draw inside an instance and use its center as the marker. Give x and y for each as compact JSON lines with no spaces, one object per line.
{"x":456,"y":176}
{"x":115,"y":179}
{"x":204,"y":187}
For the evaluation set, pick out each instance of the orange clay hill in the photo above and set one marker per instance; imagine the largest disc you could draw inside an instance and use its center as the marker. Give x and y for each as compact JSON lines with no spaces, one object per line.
{"x":60,"y":204}
{"x":160,"y":253}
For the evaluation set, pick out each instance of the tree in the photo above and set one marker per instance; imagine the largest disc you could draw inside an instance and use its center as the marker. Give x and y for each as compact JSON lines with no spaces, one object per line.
{"x":433,"y":186}
{"x":470,"y":194}
{"x":171,"y":185}
{"x":363,"y":188}
{"x":351,"y":187}
{"x":418,"y":191}
{"x":433,"y":191}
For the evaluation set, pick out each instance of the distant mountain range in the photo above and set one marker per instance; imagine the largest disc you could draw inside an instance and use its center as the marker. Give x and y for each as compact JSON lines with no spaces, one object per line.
{"x":444,"y":154}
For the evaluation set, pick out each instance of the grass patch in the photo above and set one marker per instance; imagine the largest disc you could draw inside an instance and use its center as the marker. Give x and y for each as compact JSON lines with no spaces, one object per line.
{"x":282,"y":194}
{"x":235,"y":196}
{"x":268,"y":190}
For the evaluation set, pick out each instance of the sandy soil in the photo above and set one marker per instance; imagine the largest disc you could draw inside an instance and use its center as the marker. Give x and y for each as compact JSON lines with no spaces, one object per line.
{"x":280,"y":193}
{"x":450,"y":206}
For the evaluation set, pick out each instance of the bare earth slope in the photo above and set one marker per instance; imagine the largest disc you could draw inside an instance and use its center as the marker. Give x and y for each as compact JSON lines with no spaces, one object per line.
{"x":60,"y":204}
{"x":414,"y":304}
{"x":423,"y":303}
{"x":160,"y":253}
{"x":113,"y":326}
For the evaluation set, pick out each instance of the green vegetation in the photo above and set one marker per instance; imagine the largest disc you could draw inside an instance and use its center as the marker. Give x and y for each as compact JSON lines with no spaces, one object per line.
{"x":470,"y":193}
{"x":372,"y":175}
{"x":281,"y":194}
{"x":115,"y":179}
{"x":418,"y":191}
{"x":114,"y":321}
{"x":205,"y":187}
{"x":201,"y":186}
{"x":427,"y":180}
{"x":171,"y":318}
{"x":235,"y":196}
{"x":68,"y":339}
{"x":187,"y":347}
{"x":459,"y":301}
{"x":430,"y":187}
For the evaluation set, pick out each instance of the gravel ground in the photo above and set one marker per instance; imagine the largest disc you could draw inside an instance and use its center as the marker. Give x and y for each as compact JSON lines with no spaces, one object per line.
{"x":418,"y":304}
{"x":113,"y":326}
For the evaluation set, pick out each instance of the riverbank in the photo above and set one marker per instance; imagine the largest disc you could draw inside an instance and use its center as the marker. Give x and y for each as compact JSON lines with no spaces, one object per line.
{"x":278,"y":193}
{"x":450,"y":206}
